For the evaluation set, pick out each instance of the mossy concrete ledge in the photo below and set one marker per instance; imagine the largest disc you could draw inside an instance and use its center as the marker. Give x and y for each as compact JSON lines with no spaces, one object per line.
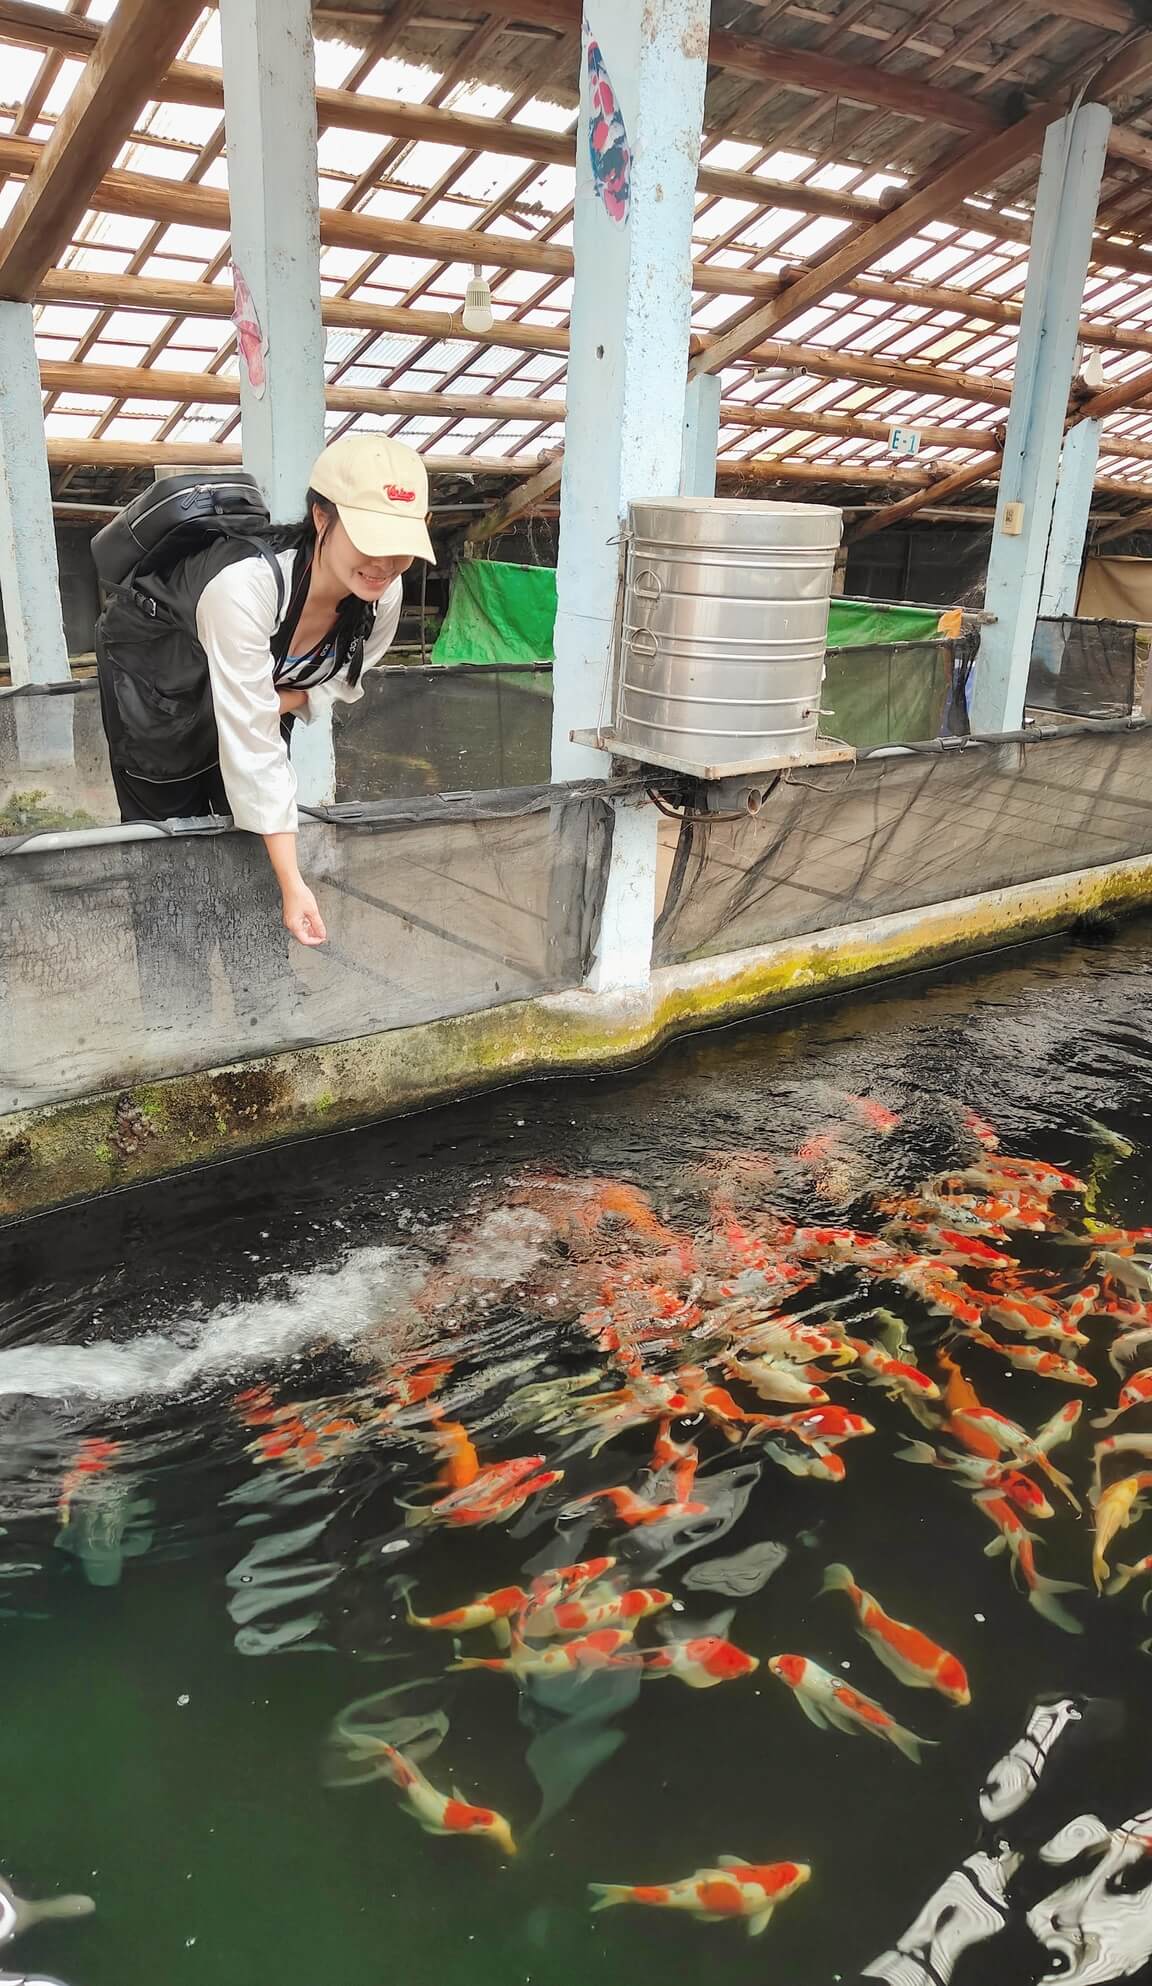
{"x":89,"y":1145}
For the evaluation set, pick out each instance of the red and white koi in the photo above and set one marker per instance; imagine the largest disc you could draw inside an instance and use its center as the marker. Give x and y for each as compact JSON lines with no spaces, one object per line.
{"x":1034,"y":1319}
{"x":1033,"y":1358}
{"x":577,"y":1616}
{"x":606,"y":1647}
{"x":733,"y":1889}
{"x":912,"y":1656}
{"x":1043,"y":1593}
{"x":702,"y":1662}
{"x":826,"y":1701}
{"x":900,"y":1378}
{"x":441,"y":1813}
{"x":772,"y":1379}
{"x":977,"y":1472}
{"x":634,"y":1510}
{"x":488,"y":1608}
{"x":1137,"y":1393}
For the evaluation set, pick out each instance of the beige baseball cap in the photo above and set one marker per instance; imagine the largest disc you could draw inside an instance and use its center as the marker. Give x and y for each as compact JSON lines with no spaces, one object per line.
{"x":380,"y":489}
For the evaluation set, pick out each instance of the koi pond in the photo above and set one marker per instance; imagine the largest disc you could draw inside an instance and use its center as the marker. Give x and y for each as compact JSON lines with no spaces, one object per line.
{"x":677,"y":1526}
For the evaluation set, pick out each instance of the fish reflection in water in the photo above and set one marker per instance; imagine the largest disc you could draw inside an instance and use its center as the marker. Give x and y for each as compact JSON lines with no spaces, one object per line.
{"x":17,"y":1915}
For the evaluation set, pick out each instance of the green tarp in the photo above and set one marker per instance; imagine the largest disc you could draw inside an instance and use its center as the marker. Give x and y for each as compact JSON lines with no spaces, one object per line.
{"x":499,"y":614}
{"x":506,"y":613}
{"x":863,"y":623}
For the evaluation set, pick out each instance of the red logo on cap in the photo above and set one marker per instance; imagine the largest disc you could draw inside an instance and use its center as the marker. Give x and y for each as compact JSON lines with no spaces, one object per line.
{"x":396,"y":495}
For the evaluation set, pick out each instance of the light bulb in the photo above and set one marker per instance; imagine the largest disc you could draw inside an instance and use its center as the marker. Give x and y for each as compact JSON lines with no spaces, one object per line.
{"x":477,"y":313}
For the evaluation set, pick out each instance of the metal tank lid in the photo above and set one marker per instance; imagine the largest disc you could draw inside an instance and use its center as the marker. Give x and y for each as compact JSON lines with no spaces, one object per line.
{"x":735,"y":520}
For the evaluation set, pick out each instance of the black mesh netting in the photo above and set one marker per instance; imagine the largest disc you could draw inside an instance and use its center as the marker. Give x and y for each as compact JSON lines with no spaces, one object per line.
{"x":146,"y":958}
{"x":1083,"y":668}
{"x":890,"y":834}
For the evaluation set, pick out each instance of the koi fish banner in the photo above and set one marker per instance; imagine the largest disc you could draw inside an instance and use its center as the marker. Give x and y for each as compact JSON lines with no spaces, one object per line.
{"x":250,"y":338}
{"x":608,"y":146}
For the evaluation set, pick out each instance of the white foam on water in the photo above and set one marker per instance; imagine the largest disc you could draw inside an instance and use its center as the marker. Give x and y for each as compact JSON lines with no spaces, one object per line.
{"x":322,"y":1306}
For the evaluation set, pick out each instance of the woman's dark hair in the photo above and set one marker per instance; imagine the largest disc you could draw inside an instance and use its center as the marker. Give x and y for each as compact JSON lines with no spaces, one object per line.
{"x":354,"y":618}
{"x":294,"y":537}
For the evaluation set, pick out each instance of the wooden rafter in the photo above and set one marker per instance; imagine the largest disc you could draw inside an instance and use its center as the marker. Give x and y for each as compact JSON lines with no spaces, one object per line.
{"x":129,"y":58}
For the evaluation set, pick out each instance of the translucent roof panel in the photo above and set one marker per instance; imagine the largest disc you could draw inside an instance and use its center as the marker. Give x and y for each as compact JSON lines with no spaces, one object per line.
{"x":926,"y":333}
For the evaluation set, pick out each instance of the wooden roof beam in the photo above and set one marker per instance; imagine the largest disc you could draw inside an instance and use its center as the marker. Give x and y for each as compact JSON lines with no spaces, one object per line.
{"x":128,"y":60}
{"x":159,"y":294}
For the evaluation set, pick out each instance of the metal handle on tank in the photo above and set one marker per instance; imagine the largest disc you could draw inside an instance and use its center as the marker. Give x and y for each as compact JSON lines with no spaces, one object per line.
{"x":654,"y":591}
{"x":639,"y":635}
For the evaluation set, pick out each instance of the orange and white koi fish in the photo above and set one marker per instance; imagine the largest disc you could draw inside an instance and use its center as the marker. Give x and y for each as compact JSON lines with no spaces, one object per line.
{"x":488,"y":1608}
{"x":734,"y":1888}
{"x":1042,"y":1592}
{"x":1118,"y":1506}
{"x":772,"y":1379}
{"x":409,"y":1389}
{"x":560,"y":1582}
{"x":981,"y":1131}
{"x":680,"y":1458}
{"x":440,"y":1813}
{"x":984,"y":1432}
{"x":1034,"y":1320}
{"x":632,"y":1509}
{"x":1137,"y":1393}
{"x":1042,"y":1177}
{"x":899,"y":1377}
{"x":821,"y":1465}
{"x":1033,"y":1358}
{"x":796,"y":1344}
{"x":92,"y":1457}
{"x":940,"y":1296}
{"x":1125,"y":1574}
{"x":1083,"y":1304}
{"x":818,"y":1427}
{"x":826,"y":1701}
{"x":578,"y":1616}
{"x":606,"y":1647}
{"x":484,"y":1501}
{"x":703,"y":1662}
{"x":980,"y":1473}
{"x":912,"y":1657}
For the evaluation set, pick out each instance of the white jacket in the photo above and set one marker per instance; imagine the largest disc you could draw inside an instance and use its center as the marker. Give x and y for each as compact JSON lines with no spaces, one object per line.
{"x":236,"y":619}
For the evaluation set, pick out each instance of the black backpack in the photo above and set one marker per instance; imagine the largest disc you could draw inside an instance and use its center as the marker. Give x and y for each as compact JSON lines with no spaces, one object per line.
{"x":154,"y":561}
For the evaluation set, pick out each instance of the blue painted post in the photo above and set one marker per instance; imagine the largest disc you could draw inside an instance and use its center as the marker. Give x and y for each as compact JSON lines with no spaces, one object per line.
{"x":637,"y":152}
{"x":29,"y":571}
{"x":273,"y":190}
{"x":1061,"y":587}
{"x":701,"y":436}
{"x":1070,"y":173}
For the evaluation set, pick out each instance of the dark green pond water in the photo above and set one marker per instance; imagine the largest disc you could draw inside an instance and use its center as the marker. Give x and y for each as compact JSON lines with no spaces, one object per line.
{"x":176,"y":1653}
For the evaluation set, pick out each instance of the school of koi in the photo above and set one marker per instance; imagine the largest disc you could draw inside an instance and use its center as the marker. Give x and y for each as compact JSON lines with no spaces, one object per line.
{"x":676,"y":1321}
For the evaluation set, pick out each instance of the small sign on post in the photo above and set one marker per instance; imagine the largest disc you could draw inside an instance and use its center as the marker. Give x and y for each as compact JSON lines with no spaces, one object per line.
{"x":904,"y":441}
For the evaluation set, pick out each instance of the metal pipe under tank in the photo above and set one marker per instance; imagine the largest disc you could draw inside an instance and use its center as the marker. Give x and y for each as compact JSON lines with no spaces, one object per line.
{"x":723,"y":628}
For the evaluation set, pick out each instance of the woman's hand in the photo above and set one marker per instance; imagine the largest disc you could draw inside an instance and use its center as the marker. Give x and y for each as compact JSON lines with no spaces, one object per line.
{"x":302,"y":916}
{"x":291,"y":700}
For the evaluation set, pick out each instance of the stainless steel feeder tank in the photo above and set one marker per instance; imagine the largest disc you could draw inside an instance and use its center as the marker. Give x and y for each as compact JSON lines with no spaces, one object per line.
{"x":723,"y":630}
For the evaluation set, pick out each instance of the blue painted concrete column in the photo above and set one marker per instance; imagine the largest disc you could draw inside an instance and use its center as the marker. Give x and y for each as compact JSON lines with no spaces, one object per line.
{"x":270,"y":114}
{"x":1070,"y":172}
{"x":29,"y":572}
{"x":1061,"y":587}
{"x":701,"y":435}
{"x":637,"y":151}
